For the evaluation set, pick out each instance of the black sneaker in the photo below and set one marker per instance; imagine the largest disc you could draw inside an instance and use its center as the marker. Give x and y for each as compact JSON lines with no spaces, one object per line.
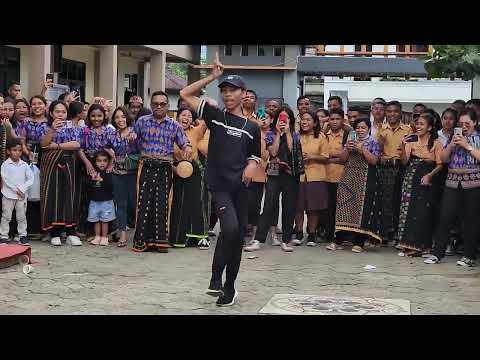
{"x":215,"y":289}
{"x":24,"y":241}
{"x":4,"y":240}
{"x":465,"y":262}
{"x":228,"y":299}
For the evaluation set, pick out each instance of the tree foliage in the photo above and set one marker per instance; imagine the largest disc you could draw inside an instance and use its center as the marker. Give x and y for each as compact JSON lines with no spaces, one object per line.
{"x":461,"y":61}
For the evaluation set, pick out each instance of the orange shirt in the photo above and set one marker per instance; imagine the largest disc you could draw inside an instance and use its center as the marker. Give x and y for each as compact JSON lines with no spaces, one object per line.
{"x":392,"y":140}
{"x":334,"y":171}
{"x":203,"y":143}
{"x":194,"y":134}
{"x":421,"y":151}
{"x":314,"y":171}
{"x":260,"y":175}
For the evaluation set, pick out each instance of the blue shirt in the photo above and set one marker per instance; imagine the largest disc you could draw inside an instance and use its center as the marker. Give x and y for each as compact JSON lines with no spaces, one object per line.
{"x":156,"y":139}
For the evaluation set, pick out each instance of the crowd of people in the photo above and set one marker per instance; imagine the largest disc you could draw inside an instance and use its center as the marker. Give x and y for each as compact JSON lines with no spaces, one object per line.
{"x":75,"y":170}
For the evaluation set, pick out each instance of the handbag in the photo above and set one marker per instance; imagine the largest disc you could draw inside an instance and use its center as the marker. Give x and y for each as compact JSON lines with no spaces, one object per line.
{"x":131,"y":162}
{"x":33,"y":192}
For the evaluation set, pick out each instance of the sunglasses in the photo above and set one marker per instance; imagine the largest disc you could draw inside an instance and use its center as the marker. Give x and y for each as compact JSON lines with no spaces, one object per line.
{"x":162,"y":104}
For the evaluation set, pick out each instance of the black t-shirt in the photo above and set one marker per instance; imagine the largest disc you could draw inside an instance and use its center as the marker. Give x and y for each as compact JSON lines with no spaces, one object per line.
{"x":233,"y":142}
{"x":101,"y":190}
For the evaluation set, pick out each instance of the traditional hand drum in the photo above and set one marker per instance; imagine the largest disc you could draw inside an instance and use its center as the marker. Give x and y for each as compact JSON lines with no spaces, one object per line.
{"x":184,"y":169}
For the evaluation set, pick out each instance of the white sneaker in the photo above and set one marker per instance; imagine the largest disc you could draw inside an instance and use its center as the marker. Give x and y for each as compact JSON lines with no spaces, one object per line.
{"x":286,"y":247}
{"x":73,"y":241}
{"x":275,"y":241}
{"x":55,"y":241}
{"x":296,"y":242}
{"x":254,"y":245}
{"x":203,"y":244}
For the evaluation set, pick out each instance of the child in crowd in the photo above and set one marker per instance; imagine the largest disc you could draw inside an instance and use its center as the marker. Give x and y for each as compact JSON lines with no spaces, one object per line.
{"x":16,"y":179}
{"x":101,"y":209}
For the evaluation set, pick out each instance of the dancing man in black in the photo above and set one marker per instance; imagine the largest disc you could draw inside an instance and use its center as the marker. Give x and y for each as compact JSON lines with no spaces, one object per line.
{"x":233,"y":155}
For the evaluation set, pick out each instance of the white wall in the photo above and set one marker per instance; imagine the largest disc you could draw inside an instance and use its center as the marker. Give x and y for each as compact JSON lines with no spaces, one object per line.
{"x":125,"y":66}
{"x":86,"y":55}
{"x":426,"y":91}
{"x":28,"y":89}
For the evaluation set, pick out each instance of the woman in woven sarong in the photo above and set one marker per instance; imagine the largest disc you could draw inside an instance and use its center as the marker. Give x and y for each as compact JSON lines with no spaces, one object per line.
{"x":420,"y":185}
{"x":188,"y":223}
{"x":59,"y":176}
{"x":357,"y":204}
{"x":30,"y":131}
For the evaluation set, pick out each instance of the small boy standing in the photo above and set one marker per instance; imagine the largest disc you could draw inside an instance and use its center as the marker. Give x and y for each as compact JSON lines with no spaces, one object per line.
{"x":101,"y":209}
{"x":16,"y":179}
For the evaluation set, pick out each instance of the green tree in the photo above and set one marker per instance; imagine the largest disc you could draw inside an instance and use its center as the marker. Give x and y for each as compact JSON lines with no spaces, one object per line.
{"x":461,"y":61}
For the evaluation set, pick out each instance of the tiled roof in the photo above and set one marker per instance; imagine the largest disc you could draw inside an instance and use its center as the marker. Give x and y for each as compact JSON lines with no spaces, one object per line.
{"x":174,"y":82}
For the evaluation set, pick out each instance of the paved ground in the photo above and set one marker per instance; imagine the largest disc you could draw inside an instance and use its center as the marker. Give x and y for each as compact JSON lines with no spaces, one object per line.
{"x":96,"y":280}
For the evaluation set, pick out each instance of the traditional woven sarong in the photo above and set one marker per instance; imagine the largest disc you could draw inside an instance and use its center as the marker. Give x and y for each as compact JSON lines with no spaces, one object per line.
{"x":390,"y":182}
{"x":358,"y":210}
{"x":153,"y":187}
{"x":59,"y":189}
{"x":417,"y":209}
{"x":187,"y":217}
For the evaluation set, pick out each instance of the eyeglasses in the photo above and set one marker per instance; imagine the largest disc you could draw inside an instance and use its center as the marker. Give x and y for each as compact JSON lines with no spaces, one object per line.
{"x":162,"y":104}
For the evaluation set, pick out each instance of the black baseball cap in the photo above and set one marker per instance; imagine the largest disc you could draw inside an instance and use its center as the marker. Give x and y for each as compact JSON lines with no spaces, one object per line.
{"x":233,"y":80}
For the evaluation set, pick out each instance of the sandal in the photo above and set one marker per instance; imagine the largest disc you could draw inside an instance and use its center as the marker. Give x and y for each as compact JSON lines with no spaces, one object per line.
{"x":122,"y":243}
{"x":96,"y":240}
{"x":104,"y":241}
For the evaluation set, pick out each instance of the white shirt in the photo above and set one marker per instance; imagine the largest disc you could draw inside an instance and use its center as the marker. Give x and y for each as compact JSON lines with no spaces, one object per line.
{"x":15,"y":176}
{"x":442,"y":137}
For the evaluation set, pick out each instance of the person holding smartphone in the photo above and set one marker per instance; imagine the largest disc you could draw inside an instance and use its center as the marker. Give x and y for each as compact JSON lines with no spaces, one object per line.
{"x":60,"y":187}
{"x":462,"y":190}
{"x":283,"y":177}
{"x":358,"y":211}
{"x":421,"y":156}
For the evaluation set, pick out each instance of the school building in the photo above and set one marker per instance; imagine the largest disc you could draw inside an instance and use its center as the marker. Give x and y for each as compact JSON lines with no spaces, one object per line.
{"x":357,"y":73}
{"x":113,"y":71}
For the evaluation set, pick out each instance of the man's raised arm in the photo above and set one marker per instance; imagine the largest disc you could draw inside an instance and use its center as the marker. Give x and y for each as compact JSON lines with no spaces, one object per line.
{"x":188,"y":93}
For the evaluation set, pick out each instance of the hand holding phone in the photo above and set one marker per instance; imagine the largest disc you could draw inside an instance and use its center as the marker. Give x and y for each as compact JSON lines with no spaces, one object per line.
{"x":458,"y":131}
{"x":411,"y":138}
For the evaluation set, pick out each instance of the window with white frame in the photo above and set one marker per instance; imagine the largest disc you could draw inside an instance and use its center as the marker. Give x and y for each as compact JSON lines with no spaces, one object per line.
{"x":227,"y":50}
{"x":243,"y":50}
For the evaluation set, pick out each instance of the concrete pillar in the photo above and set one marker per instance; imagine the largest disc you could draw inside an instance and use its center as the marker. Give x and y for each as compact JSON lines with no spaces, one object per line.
{"x":108,"y":69}
{"x":290,"y":77}
{"x":157,"y":72}
{"x":40,"y":66}
{"x":476,"y":87}
{"x":146,"y":84}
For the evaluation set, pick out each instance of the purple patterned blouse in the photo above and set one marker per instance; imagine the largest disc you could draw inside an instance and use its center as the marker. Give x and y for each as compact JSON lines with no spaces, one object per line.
{"x":372,"y":146}
{"x":31,"y":131}
{"x":121,"y":146}
{"x":460,"y":158}
{"x":93,"y":142}
{"x":65,"y":135}
{"x":156,"y":139}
